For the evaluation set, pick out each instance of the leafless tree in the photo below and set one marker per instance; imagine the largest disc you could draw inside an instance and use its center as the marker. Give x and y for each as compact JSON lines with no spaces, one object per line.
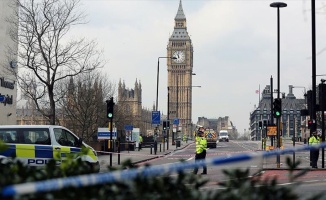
{"x":83,"y":105}
{"x":46,"y":55}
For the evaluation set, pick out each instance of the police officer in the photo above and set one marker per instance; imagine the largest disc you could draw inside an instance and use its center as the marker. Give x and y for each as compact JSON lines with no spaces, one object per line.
{"x":201,"y":146}
{"x":140,"y":142}
{"x":314,"y":140}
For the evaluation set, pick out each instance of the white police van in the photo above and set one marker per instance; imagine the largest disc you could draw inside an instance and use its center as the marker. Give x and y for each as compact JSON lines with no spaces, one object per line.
{"x":223,"y":136}
{"x":35,"y":145}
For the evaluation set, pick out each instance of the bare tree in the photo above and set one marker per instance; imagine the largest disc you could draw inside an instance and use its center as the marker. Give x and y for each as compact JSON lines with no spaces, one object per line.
{"x":84,"y":106}
{"x":46,"y":55}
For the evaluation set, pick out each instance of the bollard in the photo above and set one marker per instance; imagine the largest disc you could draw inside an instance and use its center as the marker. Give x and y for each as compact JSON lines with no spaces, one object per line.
{"x":151,"y":148}
{"x":160,"y":148}
{"x":155,"y":147}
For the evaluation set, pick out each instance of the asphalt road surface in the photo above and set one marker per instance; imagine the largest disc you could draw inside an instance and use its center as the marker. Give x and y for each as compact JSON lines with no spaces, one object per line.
{"x":311,"y":184}
{"x":223,"y":150}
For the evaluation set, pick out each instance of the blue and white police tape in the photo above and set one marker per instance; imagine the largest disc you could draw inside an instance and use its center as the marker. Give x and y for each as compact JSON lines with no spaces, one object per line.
{"x":111,"y":177}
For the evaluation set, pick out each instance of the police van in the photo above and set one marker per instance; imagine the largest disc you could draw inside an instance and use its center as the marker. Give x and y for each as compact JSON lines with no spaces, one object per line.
{"x":35,"y":145}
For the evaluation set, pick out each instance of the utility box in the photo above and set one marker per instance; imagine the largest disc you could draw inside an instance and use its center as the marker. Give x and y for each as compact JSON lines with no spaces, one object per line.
{"x":178,"y":143}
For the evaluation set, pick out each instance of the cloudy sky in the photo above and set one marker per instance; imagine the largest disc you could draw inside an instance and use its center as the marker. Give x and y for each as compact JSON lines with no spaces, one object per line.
{"x":235,"y":49}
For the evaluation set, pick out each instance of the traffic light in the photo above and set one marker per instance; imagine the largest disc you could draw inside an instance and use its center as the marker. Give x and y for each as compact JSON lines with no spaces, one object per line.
{"x":260,"y":124}
{"x":164,"y":125}
{"x":277,"y":110}
{"x":265,"y":124}
{"x":168,"y":124}
{"x":109,"y":108}
{"x":311,"y":124}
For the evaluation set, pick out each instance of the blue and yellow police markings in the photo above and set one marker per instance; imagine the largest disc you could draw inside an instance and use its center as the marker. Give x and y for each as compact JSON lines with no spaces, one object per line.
{"x":38,"y":155}
{"x":90,"y":153}
{"x":34,"y":155}
{"x":61,"y":152}
{"x":10,"y":152}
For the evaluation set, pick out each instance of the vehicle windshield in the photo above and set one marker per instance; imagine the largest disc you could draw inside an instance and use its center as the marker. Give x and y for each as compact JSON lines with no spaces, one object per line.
{"x":223,"y":134}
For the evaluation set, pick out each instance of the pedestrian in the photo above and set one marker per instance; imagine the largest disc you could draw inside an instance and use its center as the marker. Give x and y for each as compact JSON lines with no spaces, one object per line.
{"x":184,"y":137}
{"x":201,"y":146}
{"x":314,"y":140}
{"x":140,"y":142}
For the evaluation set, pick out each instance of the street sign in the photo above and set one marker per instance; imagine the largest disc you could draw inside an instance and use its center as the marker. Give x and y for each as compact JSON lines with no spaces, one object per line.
{"x":271,"y":130}
{"x":129,"y":127}
{"x":2,"y":98}
{"x":176,"y":121}
{"x":105,"y":134}
{"x":156,"y":117}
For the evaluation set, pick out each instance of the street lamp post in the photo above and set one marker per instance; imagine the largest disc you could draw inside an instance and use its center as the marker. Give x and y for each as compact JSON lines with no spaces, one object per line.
{"x":157,"y":79}
{"x":188,"y":120}
{"x":278,"y":5}
{"x":188,"y":117}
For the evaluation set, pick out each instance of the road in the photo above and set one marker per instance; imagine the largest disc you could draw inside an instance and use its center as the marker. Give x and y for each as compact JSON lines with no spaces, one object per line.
{"x":311,"y":183}
{"x":314,"y":181}
{"x":223,"y":150}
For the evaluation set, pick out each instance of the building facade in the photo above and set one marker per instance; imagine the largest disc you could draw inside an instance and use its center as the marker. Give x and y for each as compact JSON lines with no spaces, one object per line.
{"x":180,"y":71}
{"x":292,"y":123}
{"x":8,"y":63}
{"x":130,"y":104}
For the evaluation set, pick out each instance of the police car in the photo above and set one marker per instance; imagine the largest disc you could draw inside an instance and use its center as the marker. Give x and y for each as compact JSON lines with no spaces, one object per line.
{"x":35,"y":145}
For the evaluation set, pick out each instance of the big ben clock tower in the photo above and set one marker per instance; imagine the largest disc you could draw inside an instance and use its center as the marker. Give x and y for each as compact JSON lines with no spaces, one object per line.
{"x":180,"y":74}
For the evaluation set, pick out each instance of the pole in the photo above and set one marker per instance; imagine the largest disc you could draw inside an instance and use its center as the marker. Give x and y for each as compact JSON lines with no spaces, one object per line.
{"x":322,"y":106}
{"x":278,"y":5}
{"x":168,"y":118}
{"x":323,"y":137}
{"x":293,"y":138}
{"x":272,"y":118}
{"x":157,"y":81}
{"x":111,"y":149}
{"x":278,"y":82}
{"x":313,"y":55}
{"x":118,"y":149}
{"x":177,"y":129}
{"x":188,"y":117}
{"x":313,"y":99}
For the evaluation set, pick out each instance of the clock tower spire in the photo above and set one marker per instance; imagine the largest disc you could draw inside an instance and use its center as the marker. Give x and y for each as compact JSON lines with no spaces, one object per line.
{"x":180,"y":73}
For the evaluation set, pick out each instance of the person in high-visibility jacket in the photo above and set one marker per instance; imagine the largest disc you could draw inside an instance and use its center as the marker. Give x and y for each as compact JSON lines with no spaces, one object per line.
{"x":314,"y":140}
{"x":201,"y":146}
{"x":140,"y":142}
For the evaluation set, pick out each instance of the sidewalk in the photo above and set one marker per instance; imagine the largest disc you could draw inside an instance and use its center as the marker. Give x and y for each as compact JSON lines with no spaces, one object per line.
{"x":271,"y":169}
{"x":136,"y":156}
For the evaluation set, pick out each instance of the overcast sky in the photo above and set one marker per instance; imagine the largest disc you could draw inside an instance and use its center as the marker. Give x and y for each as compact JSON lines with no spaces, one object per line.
{"x":235,"y":49}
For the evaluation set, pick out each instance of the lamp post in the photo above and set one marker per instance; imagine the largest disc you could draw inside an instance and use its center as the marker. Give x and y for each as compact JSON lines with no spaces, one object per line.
{"x":168,"y":118}
{"x":278,"y":5}
{"x":157,"y":79}
{"x":322,"y":106}
{"x":188,"y":120}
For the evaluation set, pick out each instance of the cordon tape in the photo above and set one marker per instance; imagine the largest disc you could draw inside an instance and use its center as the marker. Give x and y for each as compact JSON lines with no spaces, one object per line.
{"x":116,"y":176}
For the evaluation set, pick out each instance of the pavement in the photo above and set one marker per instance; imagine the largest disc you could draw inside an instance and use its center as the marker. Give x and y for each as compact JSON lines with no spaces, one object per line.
{"x":138,"y":156}
{"x":269,"y":167}
{"x":279,"y":170}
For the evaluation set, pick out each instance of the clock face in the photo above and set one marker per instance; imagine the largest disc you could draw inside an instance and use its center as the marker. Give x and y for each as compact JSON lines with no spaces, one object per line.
{"x":180,"y":55}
